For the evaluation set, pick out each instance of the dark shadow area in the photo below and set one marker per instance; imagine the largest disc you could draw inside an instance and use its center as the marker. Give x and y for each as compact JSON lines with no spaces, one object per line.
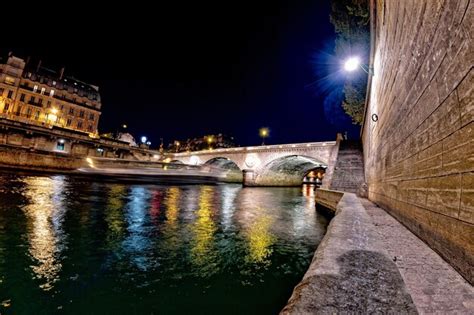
{"x":325,"y":211}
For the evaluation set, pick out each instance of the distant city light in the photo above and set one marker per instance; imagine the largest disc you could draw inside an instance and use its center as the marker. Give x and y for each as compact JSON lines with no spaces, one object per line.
{"x":352,"y":64}
{"x":148,"y":143}
{"x":143,"y":139}
{"x":124,"y":126}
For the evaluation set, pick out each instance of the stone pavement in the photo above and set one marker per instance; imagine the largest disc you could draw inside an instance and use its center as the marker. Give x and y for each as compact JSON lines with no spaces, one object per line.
{"x":435,"y":287}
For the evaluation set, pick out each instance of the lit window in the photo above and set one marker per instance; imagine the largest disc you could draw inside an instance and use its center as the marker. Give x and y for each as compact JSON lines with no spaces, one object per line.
{"x":37,"y":114}
{"x":42,"y":90}
{"x":35,"y":88}
{"x":54,"y":82}
{"x":68,"y":122}
{"x":51,"y":93}
{"x":10,"y":80}
{"x":10,"y":94}
{"x":60,"y":145}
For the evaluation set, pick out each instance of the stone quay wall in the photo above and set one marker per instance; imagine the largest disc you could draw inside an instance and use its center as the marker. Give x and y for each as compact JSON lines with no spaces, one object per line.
{"x":20,"y":158}
{"x":418,"y":133}
{"x":328,"y":198}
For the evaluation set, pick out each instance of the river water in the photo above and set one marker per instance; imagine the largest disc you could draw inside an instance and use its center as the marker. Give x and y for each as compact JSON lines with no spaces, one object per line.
{"x":75,"y":246}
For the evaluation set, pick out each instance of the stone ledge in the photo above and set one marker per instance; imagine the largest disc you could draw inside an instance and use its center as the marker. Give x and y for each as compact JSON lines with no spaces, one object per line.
{"x":351,"y":272}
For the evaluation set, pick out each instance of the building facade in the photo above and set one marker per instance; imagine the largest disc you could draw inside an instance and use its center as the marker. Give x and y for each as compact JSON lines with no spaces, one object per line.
{"x":36,"y":95}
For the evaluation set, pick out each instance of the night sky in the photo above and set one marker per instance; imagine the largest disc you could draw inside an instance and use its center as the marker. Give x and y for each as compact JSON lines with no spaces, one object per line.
{"x":185,"y":70}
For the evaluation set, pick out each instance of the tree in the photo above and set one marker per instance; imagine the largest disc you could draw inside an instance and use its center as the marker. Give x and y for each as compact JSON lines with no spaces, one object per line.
{"x":351,"y":24}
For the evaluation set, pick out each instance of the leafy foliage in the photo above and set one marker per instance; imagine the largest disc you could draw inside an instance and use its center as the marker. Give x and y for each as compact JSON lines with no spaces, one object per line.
{"x":351,"y":23}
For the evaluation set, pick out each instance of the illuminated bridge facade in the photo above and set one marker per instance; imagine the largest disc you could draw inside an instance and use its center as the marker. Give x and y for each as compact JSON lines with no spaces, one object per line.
{"x":268,"y":165}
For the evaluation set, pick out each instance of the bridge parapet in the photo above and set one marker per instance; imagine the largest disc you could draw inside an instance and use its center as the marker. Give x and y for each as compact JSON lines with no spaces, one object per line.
{"x":269,"y":165}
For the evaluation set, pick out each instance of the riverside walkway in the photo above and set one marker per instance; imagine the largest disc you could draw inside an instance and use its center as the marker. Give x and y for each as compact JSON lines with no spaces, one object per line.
{"x":368,"y":262}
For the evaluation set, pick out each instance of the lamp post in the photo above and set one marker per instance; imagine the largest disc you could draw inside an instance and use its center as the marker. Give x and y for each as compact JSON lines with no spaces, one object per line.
{"x":264,"y":132}
{"x":352,"y":63}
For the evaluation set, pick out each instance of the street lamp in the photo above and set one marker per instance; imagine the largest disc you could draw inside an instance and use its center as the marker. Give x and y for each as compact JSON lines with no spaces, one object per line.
{"x":352,"y":63}
{"x":210,"y":140}
{"x":264,"y":132}
{"x":143,"y":139}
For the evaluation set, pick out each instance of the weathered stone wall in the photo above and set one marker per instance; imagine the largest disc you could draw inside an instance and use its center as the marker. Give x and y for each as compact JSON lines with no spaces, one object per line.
{"x":419,"y":155}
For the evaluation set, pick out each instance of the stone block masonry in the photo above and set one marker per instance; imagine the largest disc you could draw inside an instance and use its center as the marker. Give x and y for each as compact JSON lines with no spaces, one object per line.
{"x":419,"y":155}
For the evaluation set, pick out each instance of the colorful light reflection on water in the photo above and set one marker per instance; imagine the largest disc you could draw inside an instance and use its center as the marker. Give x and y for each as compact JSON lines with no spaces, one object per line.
{"x":73,"y":246}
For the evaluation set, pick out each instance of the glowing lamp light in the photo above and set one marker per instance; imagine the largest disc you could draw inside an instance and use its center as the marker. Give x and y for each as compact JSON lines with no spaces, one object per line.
{"x":352,"y":64}
{"x":54,"y":111}
{"x":143,"y":139}
{"x":148,"y":143}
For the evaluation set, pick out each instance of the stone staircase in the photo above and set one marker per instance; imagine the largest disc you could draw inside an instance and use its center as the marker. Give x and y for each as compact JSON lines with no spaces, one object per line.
{"x":349,"y":170}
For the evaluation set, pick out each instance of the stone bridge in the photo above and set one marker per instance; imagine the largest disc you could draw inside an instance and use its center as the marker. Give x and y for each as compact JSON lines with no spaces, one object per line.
{"x":268,"y":165}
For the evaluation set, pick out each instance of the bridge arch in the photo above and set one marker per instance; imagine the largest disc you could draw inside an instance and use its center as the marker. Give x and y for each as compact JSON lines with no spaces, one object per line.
{"x":223,"y":163}
{"x":233,"y":173}
{"x":288,"y":170}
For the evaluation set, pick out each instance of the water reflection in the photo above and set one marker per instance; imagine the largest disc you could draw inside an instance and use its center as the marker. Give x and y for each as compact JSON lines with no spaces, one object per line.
{"x":153,"y":248}
{"x":203,"y":253}
{"x":45,"y":215}
{"x":114,"y":215}
{"x":260,"y":239}
{"x":229,"y":194}
{"x":138,"y":241}
{"x":170,"y":238}
{"x":308,"y":190}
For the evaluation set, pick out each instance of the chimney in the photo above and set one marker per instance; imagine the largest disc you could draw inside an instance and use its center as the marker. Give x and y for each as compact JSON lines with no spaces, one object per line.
{"x":61,"y":73}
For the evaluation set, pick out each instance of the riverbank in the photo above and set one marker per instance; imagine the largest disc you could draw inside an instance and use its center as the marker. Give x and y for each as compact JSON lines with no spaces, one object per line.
{"x":368,"y":262}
